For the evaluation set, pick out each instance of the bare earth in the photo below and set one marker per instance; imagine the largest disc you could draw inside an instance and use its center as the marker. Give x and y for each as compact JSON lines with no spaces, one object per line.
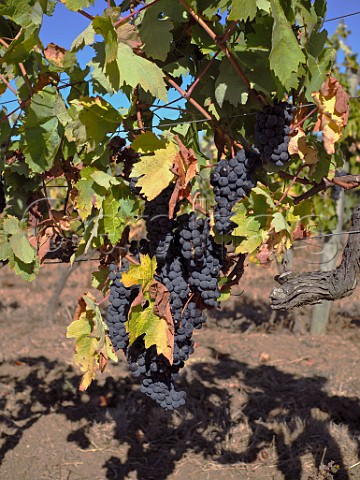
{"x":265,"y":399}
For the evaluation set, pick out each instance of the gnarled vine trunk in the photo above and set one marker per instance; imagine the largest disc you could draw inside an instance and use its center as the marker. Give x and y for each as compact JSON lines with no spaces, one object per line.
{"x":309,"y":288}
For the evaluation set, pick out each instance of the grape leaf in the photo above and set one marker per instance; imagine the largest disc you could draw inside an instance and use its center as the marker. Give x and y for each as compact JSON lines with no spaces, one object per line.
{"x":86,"y":37}
{"x":92,"y":346}
{"x":76,"y":5}
{"x":155,"y":33}
{"x":98,"y":117}
{"x":142,"y":274}
{"x":248,"y":228}
{"x":155,"y":171}
{"x":279,"y":222}
{"x":284,"y":46}
{"x":21,"y":247}
{"x":242,"y":10}
{"x":298,"y":146}
{"x":147,"y":142}
{"x":144,"y":322}
{"x":42,"y":130}
{"x":105,"y":27}
{"x":23,"y":12}
{"x":85,"y":194}
{"x":333,"y":112}
{"x":228,"y":86}
{"x":135,"y":70}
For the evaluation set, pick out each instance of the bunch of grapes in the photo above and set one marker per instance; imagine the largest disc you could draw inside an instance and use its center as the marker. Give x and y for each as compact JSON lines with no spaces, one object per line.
{"x":158,"y":376}
{"x":202,"y":257}
{"x":272,"y":132}
{"x":232,"y":180}
{"x":120,"y":300}
{"x":158,"y":225}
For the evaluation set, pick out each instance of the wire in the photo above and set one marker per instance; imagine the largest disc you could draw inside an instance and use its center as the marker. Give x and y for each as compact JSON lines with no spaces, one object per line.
{"x":342,"y":16}
{"x":350,"y":232}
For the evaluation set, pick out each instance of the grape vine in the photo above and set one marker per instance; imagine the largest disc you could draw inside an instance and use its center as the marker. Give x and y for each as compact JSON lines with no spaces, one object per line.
{"x":168,"y":204}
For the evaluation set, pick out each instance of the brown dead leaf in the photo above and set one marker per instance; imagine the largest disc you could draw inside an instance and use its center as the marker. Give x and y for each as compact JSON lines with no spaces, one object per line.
{"x":300,"y":232}
{"x":333,"y":105}
{"x":55,"y":54}
{"x":44,"y":79}
{"x":162,"y":305}
{"x":264,"y":256}
{"x":44,"y":242}
{"x":298,"y":146}
{"x":127,"y":33}
{"x":185,"y":167}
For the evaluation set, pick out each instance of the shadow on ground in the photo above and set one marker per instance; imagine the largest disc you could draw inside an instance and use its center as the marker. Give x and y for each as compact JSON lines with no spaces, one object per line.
{"x":279,"y":409}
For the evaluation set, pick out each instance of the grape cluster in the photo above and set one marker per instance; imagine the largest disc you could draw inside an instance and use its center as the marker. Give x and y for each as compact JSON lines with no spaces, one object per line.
{"x":202,"y":257}
{"x":120,"y":300}
{"x":172,"y":275}
{"x":272,"y":132}
{"x":232,"y":180}
{"x":158,"y":225}
{"x":2,"y":194}
{"x":158,"y":375}
{"x":122,"y":153}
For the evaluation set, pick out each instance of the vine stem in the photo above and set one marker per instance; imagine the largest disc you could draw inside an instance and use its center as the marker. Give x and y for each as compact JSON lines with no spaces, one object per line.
{"x":290,"y":186}
{"x":191,"y":100}
{"x":132,"y":14}
{"x":200,"y":76}
{"x":9,"y":86}
{"x":85,"y":14}
{"x":303,"y":120}
{"x":21,"y":66}
{"x":221,"y":43}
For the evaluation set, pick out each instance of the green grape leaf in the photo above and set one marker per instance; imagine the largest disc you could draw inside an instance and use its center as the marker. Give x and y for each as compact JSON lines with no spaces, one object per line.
{"x":142,"y":274}
{"x":104,"y":179}
{"x":86,"y":37}
{"x":155,"y":171}
{"x":21,"y":247}
{"x":279,"y":222}
{"x":23,"y":12}
{"x":155,"y":34}
{"x":93,"y":348}
{"x":76,"y":5}
{"x":155,"y":330}
{"x":135,"y":70}
{"x":248,"y":228}
{"x":286,"y":54}
{"x":86,"y":195}
{"x":27,"y":271}
{"x":112,"y":223}
{"x":98,"y":118}
{"x":42,"y":130}
{"x":147,"y":142}
{"x":229,"y":86}
{"x":242,"y":10}
{"x":104,"y":26}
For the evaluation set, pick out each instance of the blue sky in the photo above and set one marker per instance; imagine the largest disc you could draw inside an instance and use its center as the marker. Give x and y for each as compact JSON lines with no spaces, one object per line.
{"x":65,"y":25}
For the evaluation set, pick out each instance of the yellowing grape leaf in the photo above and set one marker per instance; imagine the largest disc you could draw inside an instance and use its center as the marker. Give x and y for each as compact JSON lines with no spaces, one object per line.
{"x":155,"y":171}
{"x":298,"y":146}
{"x":333,"y":104}
{"x":93,"y":348}
{"x":142,"y":274}
{"x":156,"y":331}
